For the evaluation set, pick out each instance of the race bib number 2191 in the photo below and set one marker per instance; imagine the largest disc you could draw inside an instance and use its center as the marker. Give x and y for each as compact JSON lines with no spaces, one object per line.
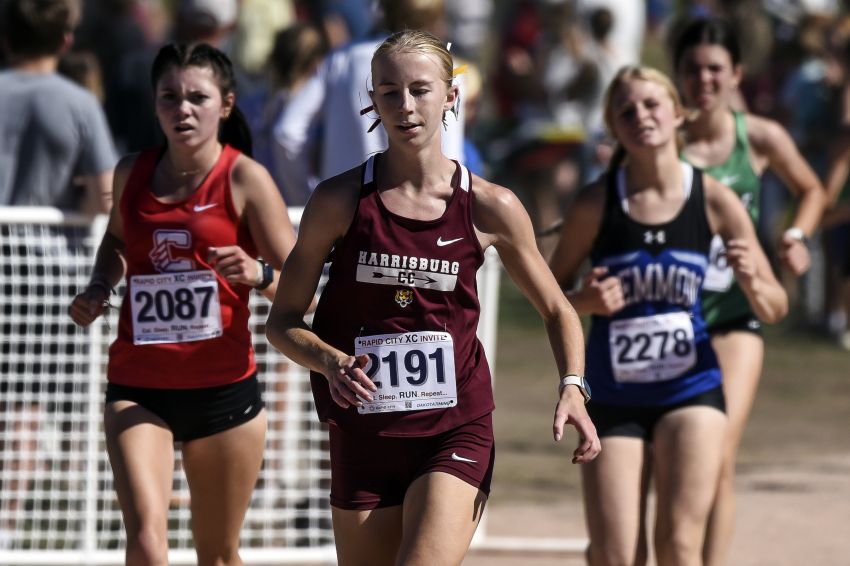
{"x":412,"y":370}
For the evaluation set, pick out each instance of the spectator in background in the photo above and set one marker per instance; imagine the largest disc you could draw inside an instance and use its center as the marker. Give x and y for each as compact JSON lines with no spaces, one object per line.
{"x":549,"y":87}
{"x":51,"y":129}
{"x":472,"y":83}
{"x":206,"y":21}
{"x":258,"y":23}
{"x":342,"y":21}
{"x":608,"y":59}
{"x":806,"y":97}
{"x":603,"y":51}
{"x":808,"y":106}
{"x":628,"y":27}
{"x":836,"y":218}
{"x":836,"y":224}
{"x":334,"y":97}
{"x":298,"y":50}
{"x":469,"y":23}
{"x":83,"y":68}
{"x":114,"y":30}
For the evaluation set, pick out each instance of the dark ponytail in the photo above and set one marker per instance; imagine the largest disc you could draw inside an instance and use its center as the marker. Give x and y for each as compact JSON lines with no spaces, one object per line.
{"x":234,"y":129}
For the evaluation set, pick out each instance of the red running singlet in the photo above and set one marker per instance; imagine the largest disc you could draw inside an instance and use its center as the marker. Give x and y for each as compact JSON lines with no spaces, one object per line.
{"x":181,"y":326}
{"x":403,"y":292}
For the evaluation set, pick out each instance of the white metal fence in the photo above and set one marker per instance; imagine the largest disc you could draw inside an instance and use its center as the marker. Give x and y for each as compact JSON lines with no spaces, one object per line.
{"x":57,"y":505}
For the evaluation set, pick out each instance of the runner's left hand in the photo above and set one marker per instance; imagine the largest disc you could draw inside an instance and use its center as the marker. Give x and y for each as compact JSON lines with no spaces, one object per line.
{"x":571,"y":410}
{"x":235,"y":265}
{"x":794,"y":255}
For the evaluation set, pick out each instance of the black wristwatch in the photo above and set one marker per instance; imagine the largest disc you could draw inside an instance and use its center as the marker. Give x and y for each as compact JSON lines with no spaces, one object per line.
{"x":268,"y":275}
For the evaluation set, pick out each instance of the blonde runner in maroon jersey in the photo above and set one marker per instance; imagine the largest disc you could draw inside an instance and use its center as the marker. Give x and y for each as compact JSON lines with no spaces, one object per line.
{"x":397,"y":370}
{"x":402,"y":292}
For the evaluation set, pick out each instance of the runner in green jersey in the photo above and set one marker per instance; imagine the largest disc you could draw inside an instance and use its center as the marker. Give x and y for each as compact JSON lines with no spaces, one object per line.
{"x":723,"y":302}
{"x":737,"y":148}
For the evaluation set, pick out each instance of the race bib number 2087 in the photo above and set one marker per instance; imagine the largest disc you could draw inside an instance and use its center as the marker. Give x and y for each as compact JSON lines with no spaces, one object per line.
{"x":175,"y":307}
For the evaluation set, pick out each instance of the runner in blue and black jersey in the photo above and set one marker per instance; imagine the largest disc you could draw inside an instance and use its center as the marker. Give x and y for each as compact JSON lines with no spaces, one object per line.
{"x":658,"y":405}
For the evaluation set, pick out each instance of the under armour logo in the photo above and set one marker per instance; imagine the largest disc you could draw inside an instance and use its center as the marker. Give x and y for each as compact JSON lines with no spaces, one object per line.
{"x":658,"y":237}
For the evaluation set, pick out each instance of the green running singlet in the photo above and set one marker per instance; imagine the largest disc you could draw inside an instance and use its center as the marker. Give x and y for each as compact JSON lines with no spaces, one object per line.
{"x":722,"y":299}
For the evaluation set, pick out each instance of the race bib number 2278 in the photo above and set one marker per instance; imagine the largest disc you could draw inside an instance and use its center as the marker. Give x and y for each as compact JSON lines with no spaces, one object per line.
{"x":652,"y":348}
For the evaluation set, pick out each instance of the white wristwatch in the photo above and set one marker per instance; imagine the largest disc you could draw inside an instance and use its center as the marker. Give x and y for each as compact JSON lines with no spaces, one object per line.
{"x":578,"y":381}
{"x":797,"y":234}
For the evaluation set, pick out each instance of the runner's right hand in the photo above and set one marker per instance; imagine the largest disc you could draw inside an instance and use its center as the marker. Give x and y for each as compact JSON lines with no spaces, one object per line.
{"x":602,"y":295}
{"x":88,"y":305}
{"x":347,"y":381}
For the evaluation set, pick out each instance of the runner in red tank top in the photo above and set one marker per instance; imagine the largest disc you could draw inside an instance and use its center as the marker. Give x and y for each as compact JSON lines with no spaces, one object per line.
{"x":397,"y":370}
{"x":187,"y":225}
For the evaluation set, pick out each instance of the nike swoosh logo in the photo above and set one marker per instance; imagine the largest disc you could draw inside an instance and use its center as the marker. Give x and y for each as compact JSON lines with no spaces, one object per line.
{"x":203,"y":207}
{"x":729,"y":179}
{"x":462,"y":459}
{"x":441,"y":242}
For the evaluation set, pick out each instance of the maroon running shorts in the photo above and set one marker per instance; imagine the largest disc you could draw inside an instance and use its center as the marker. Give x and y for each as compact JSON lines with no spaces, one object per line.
{"x":375,"y":471}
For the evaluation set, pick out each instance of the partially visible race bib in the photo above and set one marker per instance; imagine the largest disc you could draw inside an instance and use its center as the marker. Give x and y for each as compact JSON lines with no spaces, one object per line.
{"x":412,"y":370}
{"x":652,"y":348}
{"x":175,"y":307}
{"x":718,"y":276}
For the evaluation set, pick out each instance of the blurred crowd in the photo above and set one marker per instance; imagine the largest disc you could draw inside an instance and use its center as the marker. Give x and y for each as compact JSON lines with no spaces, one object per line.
{"x":533,"y":73}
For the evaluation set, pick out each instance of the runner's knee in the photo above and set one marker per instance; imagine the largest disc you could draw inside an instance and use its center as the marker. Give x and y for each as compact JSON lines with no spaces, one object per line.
{"x":148,"y":546}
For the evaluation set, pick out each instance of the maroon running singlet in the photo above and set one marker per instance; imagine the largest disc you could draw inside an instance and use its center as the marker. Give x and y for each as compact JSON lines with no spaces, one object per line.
{"x":403,"y":292}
